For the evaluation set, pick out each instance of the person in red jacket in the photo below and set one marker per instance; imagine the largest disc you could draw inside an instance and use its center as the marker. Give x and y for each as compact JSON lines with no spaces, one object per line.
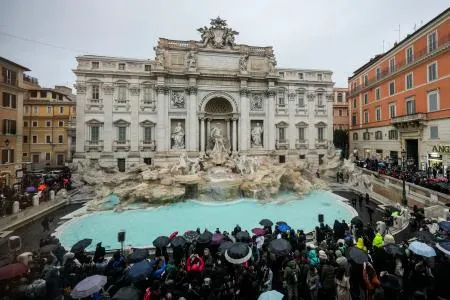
{"x":195,"y":263}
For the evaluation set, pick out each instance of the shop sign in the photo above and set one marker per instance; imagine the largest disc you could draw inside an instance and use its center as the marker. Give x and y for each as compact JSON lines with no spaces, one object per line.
{"x":441,"y":148}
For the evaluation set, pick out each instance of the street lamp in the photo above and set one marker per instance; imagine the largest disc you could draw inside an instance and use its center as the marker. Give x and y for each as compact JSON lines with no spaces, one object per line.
{"x":6,"y":143}
{"x":404,"y":199}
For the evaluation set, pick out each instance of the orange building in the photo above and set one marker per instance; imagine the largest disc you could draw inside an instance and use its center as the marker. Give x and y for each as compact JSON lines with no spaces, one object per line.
{"x":340,"y":109}
{"x":401,"y":100}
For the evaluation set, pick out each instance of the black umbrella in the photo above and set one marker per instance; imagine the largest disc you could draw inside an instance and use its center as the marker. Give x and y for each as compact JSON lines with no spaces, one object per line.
{"x":357,"y":255}
{"x":390,"y":282}
{"x":81,"y":245}
{"x":424,"y":236}
{"x":204,"y":238}
{"x":127,"y":293}
{"x":48,"y":248}
{"x":357,"y":221}
{"x":178,"y":241}
{"x":242,"y":236}
{"x":280,"y":247}
{"x":266,"y":222}
{"x":393,"y":249}
{"x":190,"y":236}
{"x":161,"y":242}
{"x":238,"y":253}
{"x":137,"y":255}
{"x":224,"y":246}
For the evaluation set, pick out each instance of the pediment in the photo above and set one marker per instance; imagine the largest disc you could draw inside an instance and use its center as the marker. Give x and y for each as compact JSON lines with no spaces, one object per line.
{"x":301,"y":124}
{"x":94,"y":122}
{"x":147,"y":123}
{"x":282,"y":124}
{"x":121,"y":122}
{"x":321,"y":124}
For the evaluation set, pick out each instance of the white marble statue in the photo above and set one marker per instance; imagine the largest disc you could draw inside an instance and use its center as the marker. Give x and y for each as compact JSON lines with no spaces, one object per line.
{"x":178,"y":136}
{"x":218,"y":140}
{"x":272,"y":63}
{"x":256,"y":135}
{"x":191,"y":61}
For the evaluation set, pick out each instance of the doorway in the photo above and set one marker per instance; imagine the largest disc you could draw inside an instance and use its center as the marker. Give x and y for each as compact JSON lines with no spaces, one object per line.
{"x":121,"y":164}
{"x":412,"y":151}
{"x":282,"y":159}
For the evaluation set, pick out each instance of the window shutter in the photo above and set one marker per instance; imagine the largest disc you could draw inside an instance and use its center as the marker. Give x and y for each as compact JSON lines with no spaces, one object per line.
{"x":4,"y":127}
{"x":4,"y":156}
{"x":12,"y":155}
{"x":13,"y":101}
{"x":13,"y":126}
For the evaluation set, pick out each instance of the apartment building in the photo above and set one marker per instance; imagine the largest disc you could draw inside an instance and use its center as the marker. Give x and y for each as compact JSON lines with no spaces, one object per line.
{"x":49,"y":126}
{"x":340,"y":109}
{"x":401,"y":100}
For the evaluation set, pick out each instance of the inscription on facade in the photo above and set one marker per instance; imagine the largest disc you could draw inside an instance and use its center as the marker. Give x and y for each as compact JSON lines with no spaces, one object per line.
{"x":441,"y":148}
{"x":205,"y":60}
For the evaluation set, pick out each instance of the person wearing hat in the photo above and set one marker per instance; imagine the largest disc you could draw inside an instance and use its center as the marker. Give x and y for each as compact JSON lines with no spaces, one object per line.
{"x":99,"y":254}
{"x":341,"y":260}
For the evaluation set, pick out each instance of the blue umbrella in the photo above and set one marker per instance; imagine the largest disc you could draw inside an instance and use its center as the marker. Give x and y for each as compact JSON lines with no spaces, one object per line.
{"x":444,"y":247}
{"x":283,"y":227}
{"x":422,"y":249}
{"x":30,"y":189}
{"x":271,"y":295}
{"x":444,"y":225}
{"x":140,"y":271}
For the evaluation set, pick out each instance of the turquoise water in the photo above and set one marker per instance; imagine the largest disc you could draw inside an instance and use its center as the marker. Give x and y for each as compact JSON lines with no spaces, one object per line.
{"x":144,"y":225}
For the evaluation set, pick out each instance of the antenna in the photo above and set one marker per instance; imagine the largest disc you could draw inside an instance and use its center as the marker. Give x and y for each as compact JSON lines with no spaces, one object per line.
{"x":383,"y":46}
{"x":398,"y":32}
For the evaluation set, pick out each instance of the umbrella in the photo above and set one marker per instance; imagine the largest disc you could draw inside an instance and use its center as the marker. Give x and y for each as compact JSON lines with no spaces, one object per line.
{"x":393,"y":249}
{"x":140,"y":271}
{"x":224,"y":246}
{"x":357,"y":255}
{"x":424,"y":236}
{"x":204,"y":238}
{"x":161,"y":241}
{"x":390,"y":282}
{"x":88,"y":286}
{"x":444,"y":225}
{"x":137,"y":255}
{"x":178,"y":241}
{"x":243,"y":236}
{"x":30,"y":189}
{"x":81,"y":245}
{"x":444,"y":247}
{"x":238,"y":253}
{"x":283,"y":227}
{"x":266,"y":222}
{"x":217,"y":238}
{"x":357,"y":221}
{"x":12,"y":270}
{"x":42,"y":187}
{"x":280,"y":247}
{"x":48,"y":248}
{"x":258,"y":231}
{"x":127,"y":293}
{"x":191,"y":236}
{"x":271,"y":295}
{"x":173,"y":235}
{"x":281,"y":223}
{"x":422,"y":249}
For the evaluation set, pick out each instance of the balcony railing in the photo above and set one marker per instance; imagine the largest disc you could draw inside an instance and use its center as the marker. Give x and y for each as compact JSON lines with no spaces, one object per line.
{"x":321,"y":143}
{"x":121,"y":145}
{"x":93,"y":145}
{"x":443,"y":43}
{"x":282,"y":144}
{"x":95,"y":101}
{"x":282,"y":108}
{"x":409,"y":118}
{"x":148,"y":145}
{"x":301,"y":144}
{"x":148,"y":104}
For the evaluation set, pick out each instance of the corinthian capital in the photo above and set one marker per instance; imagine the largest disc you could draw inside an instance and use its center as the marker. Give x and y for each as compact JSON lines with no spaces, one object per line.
{"x":244,"y":91}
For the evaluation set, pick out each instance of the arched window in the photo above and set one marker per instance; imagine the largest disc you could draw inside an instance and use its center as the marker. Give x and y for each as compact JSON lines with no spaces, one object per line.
{"x":355,"y":136}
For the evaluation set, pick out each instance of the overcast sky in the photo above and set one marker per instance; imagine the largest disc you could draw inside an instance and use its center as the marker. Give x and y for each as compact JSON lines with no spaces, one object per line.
{"x":339,"y":35}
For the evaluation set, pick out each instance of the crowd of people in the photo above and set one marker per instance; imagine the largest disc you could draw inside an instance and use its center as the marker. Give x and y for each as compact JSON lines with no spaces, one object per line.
{"x":348,"y":261}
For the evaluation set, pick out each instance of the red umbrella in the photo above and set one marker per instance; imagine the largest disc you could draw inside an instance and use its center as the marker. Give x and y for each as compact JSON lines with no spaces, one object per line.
{"x":173,"y":235}
{"x":258,"y":231}
{"x":12,"y":270}
{"x":42,"y":187}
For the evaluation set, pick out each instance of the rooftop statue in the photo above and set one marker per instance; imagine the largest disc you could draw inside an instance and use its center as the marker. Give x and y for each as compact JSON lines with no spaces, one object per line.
{"x":218,"y":35}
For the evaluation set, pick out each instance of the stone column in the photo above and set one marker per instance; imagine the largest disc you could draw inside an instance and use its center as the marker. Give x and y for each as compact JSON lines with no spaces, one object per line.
{"x":109,"y":134}
{"x":81,"y":119}
{"x":202,"y":134}
{"x":292,"y":131}
{"x":135,"y":131}
{"x":271,"y":119}
{"x":244,"y":120}
{"x":160,"y":126}
{"x":192,"y":121}
{"x":228,"y":129}
{"x":234,"y":138}
{"x":208,"y":132}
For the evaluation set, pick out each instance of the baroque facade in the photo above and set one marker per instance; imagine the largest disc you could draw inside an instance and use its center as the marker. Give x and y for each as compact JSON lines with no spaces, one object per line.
{"x":133,"y":110}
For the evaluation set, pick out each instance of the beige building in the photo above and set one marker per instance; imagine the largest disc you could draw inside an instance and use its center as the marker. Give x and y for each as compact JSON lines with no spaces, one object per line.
{"x":340,"y":109}
{"x":11,"y":114}
{"x":49,"y":124}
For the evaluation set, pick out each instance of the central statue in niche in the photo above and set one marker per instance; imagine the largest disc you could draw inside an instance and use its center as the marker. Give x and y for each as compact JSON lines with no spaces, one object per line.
{"x":219,"y":151}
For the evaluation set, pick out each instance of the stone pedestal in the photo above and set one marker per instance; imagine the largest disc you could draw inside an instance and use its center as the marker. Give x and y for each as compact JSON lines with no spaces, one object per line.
{"x":16,"y":207}
{"x":52,"y":195}
{"x":35,"y":200}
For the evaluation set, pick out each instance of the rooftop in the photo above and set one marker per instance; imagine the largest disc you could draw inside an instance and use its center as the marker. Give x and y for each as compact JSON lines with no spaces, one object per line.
{"x":4,"y":60}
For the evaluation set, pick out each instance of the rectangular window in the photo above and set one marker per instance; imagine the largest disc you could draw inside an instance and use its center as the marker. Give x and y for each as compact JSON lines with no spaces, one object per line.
{"x":378,"y":73}
{"x":25,"y":139}
{"x":9,"y":100}
{"x":35,"y":158}
{"x":300,"y":76}
{"x":392,"y":65}
{"x":122,"y":93}
{"x":9,"y":76}
{"x":53,"y":95}
{"x":301,"y":134}
{"x":9,"y":126}
{"x":33,"y":94}
{"x":281,"y":74}
{"x":378,"y":113}
{"x":301,"y":101}
{"x":319,"y":77}
{"x":61,"y":123}
{"x":147,"y":134}
{"x":48,"y":139}
{"x":35,"y":140}
{"x":354,"y":103}
{"x":27,"y":109}
{"x":60,"y":159}
{"x":281,"y":134}
{"x":43,"y":94}
{"x":366,"y":80}
{"x":409,"y":81}
{"x":340,"y":112}
{"x":320,"y":134}
{"x":366,"y":117}
{"x":47,"y":156}
{"x":320,"y":99}
{"x":95,"y":92}
{"x":95,"y":65}
{"x":410,"y":106}
{"x":353,"y":120}
{"x":147,"y":94}
{"x":393,"y":134}
{"x":434,"y":133}
{"x":392,"y":110}
{"x":60,"y":139}
{"x":432,"y":41}
{"x":121,"y":66}
{"x":432,"y":72}
{"x":49,"y":109}
{"x":25,"y":124}
{"x":35,"y":124}
{"x":433,"y":101}
{"x":378,"y":93}
{"x":122,"y":134}
{"x":366,"y":136}
{"x":7,"y":156}
{"x":147,"y":68}
{"x":366,"y":98}
{"x":48,"y":123}
{"x":378,"y":135}
{"x":95,"y":133}
{"x":35,"y":109}
{"x":409,"y":55}
{"x":391,"y":88}
{"x":281,"y":101}
{"x":61,"y":109}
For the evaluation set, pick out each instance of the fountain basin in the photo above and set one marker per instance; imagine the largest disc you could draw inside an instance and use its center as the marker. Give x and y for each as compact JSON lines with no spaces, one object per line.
{"x":144,"y":225}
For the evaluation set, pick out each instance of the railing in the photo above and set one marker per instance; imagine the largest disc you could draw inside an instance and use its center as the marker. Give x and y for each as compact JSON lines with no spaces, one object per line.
{"x":282,"y":144}
{"x":121,"y":145}
{"x":321,"y":143}
{"x":121,"y":101}
{"x":96,"y":145}
{"x":147,"y":145}
{"x":301,"y":144}
{"x":403,"y":64}
{"x":409,"y":118}
{"x":10,"y":81}
{"x":30,"y":79}
{"x":282,"y":108}
{"x":95,"y":101}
